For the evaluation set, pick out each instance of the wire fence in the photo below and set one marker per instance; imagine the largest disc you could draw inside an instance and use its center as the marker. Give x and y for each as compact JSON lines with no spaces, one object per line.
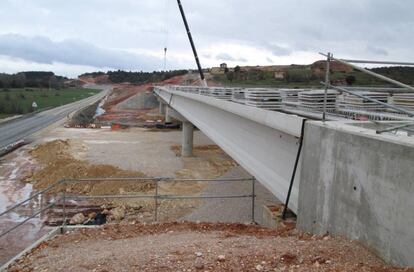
{"x":58,"y":195}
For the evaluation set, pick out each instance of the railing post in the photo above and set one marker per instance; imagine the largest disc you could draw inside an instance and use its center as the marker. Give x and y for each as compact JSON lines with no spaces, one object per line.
{"x":253,"y":198}
{"x":327,"y":84}
{"x":156,"y":201}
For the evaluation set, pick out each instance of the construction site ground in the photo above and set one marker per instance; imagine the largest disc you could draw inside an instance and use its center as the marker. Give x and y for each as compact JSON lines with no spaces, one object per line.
{"x":79,"y":153}
{"x":197,"y":247}
{"x":133,"y":243}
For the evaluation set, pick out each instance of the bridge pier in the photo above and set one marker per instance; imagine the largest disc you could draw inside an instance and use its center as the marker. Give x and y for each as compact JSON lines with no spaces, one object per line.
{"x":167,"y":114}
{"x":187,"y":139}
{"x":162,"y":108}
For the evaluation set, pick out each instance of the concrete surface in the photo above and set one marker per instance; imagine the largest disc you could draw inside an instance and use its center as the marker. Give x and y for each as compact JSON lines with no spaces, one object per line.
{"x":187,"y":139}
{"x":263,"y":142}
{"x":21,"y":128}
{"x":359,"y":184}
{"x":140,"y":101}
{"x":135,"y":149}
{"x":232,"y":210}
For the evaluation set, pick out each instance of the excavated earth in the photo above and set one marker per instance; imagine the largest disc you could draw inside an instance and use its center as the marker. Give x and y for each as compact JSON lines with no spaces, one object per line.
{"x":57,"y":164}
{"x":198,"y":247}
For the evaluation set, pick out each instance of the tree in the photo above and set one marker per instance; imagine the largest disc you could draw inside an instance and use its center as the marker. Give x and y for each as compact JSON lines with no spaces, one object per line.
{"x":350,"y":80}
{"x":237,"y":69}
{"x":298,"y":75}
{"x":2,"y":107}
{"x":230,"y":76}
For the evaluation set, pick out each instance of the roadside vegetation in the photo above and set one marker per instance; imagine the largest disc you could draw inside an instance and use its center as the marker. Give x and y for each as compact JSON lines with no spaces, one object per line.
{"x":14,"y":101}
{"x":32,"y":79}
{"x":137,"y":77}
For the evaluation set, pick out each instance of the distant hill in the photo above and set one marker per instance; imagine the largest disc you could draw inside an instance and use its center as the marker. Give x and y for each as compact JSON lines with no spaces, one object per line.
{"x":305,"y":75}
{"x":132,"y":77}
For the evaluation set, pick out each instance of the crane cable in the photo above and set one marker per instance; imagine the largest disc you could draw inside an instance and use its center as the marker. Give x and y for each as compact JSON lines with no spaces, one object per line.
{"x":166,"y":31}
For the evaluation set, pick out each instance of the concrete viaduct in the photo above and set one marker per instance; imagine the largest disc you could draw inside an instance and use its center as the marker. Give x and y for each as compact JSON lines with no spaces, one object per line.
{"x":350,"y":181}
{"x":263,"y":142}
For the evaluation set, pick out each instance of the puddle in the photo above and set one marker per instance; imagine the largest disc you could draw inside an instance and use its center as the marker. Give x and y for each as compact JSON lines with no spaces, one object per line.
{"x":12,"y":191}
{"x":100,"y":110}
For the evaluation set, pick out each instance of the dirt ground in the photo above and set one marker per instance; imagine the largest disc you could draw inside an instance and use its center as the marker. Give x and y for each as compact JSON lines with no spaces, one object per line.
{"x":198,"y":247}
{"x":57,"y":163}
{"x":81,"y":153}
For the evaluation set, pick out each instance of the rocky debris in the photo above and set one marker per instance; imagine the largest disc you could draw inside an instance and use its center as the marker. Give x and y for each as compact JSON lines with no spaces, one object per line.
{"x":175,"y":247}
{"x":55,"y":215}
{"x":199,"y":263}
{"x":84,"y":117}
{"x":92,"y":215}
{"x":117,"y":213}
{"x":259,"y":267}
{"x":221,"y":258}
{"x":77,"y":219}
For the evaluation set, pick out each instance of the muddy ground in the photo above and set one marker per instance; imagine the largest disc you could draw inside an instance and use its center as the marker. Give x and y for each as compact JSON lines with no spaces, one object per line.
{"x":198,"y":247}
{"x":79,"y":153}
{"x":74,"y":153}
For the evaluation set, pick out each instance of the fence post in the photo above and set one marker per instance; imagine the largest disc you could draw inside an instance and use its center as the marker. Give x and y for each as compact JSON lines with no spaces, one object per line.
{"x":156,"y":201}
{"x":64,"y":208}
{"x":253,"y":197}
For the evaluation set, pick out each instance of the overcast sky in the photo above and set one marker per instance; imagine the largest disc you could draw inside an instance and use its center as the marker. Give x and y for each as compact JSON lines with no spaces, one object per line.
{"x":70,"y":37}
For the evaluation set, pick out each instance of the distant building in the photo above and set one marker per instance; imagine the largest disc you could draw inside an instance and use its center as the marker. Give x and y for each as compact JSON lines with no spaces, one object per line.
{"x":280,"y":74}
{"x":319,"y":67}
{"x":219,"y":70}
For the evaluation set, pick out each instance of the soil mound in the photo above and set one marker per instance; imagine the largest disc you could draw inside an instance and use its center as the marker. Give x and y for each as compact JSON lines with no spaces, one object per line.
{"x":58,"y":164}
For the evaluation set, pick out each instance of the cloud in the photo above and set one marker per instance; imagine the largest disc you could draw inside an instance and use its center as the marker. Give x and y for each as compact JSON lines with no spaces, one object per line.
{"x":41,"y":49}
{"x":131,"y":34}
{"x":228,"y":57}
{"x":377,"y":50}
{"x":277,"y":50}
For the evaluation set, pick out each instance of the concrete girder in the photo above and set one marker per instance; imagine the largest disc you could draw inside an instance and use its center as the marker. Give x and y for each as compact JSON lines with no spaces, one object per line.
{"x":265,"y":143}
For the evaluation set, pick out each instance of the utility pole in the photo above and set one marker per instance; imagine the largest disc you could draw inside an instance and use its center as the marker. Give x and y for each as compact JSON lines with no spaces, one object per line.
{"x":187,"y":28}
{"x":165,"y":59}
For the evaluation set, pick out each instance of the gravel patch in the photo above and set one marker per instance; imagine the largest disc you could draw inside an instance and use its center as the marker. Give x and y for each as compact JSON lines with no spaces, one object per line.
{"x":198,"y":247}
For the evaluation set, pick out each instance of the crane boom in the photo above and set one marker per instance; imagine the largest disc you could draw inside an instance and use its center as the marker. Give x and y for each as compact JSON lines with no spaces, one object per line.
{"x":187,"y":28}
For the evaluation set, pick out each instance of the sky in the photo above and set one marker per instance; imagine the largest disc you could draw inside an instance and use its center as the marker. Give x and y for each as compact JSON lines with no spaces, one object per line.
{"x":77,"y":36}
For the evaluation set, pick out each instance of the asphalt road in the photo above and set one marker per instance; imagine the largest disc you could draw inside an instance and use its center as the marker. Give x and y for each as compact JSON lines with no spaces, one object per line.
{"x":21,"y":128}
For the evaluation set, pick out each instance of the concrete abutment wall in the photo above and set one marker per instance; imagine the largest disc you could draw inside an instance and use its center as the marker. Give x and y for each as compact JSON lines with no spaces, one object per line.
{"x":359,"y":185}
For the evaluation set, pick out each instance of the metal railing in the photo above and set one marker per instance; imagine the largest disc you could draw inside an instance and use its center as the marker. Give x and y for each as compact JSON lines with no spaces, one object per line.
{"x":402,"y":86}
{"x":62,"y":197}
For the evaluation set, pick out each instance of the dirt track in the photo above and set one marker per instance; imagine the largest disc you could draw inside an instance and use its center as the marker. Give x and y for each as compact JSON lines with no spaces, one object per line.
{"x":198,"y":247}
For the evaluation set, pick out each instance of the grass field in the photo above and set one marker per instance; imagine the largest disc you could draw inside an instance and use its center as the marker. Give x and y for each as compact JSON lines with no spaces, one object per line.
{"x":19,"y":101}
